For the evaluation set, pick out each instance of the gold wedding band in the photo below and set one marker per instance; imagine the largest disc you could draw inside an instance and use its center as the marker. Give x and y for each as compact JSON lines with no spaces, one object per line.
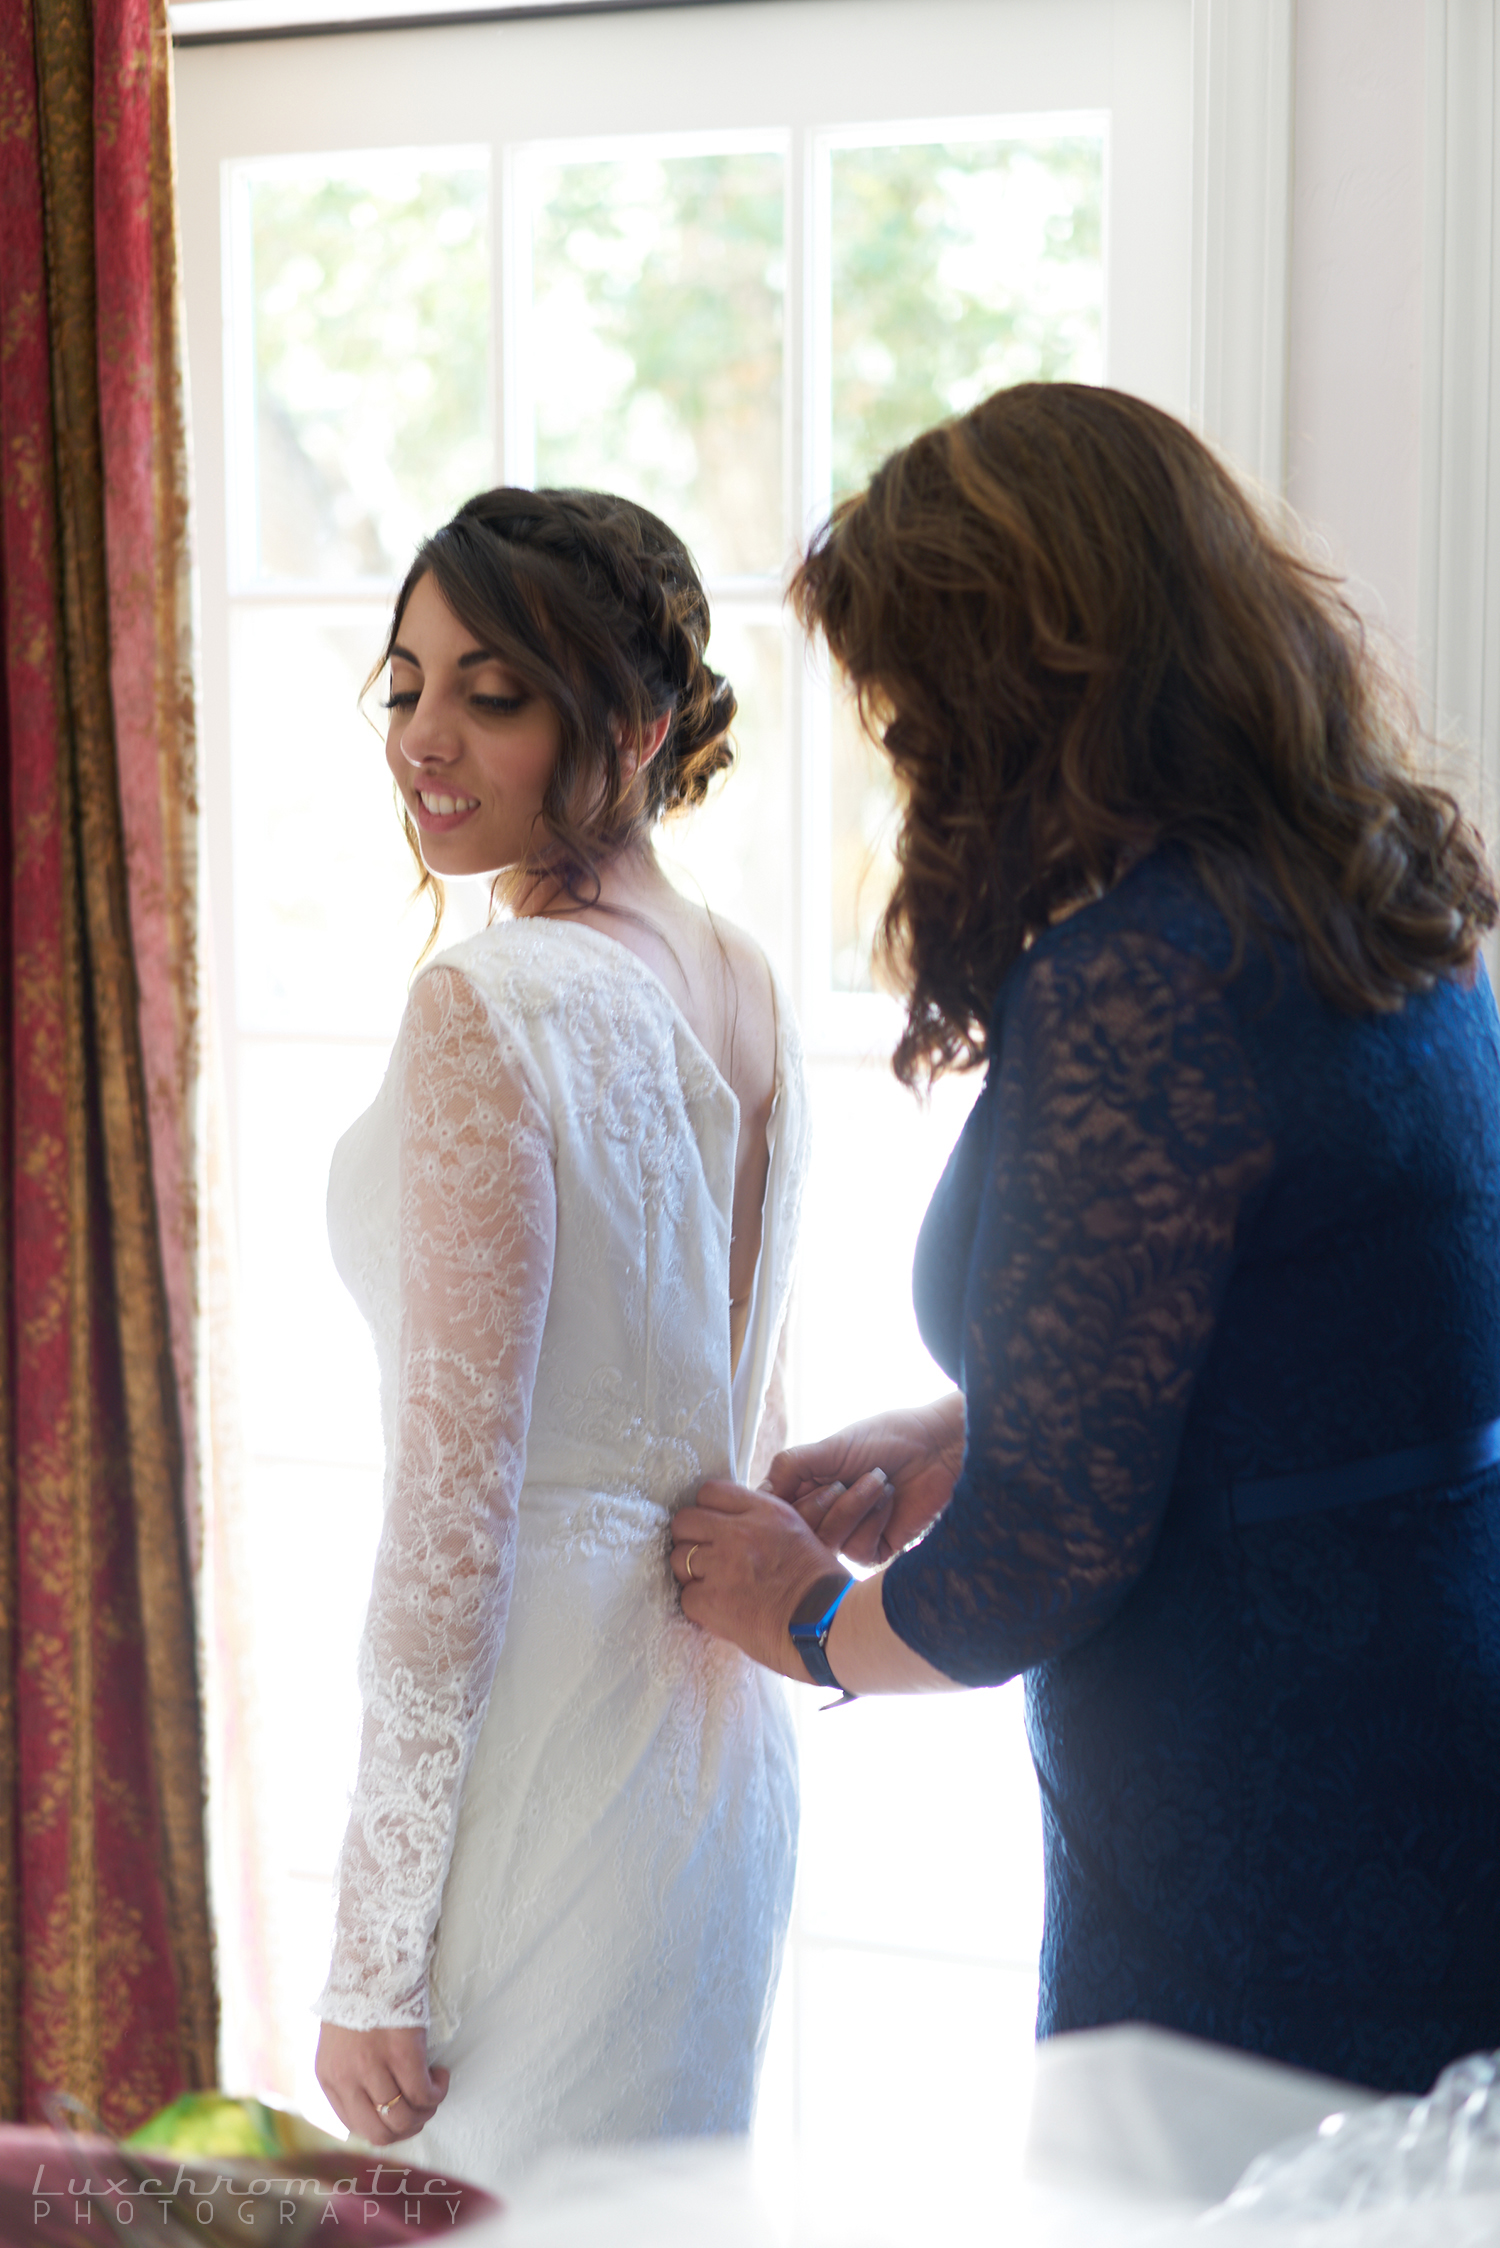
{"x":383,"y":2107}
{"x":692,"y":1549}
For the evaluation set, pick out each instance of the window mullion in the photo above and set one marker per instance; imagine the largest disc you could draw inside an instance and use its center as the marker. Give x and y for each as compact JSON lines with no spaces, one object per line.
{"x":243,"y":541}
{"x":796,"y":332}
{"x":500,"y":326}
{"x":813,"y":828}
{"x":517,"y":340}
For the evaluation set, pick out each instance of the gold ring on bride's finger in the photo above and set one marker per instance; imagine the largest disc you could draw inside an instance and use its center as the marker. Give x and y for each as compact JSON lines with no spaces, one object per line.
{"x":383,"y":2107}
{"x":688,"y":1564}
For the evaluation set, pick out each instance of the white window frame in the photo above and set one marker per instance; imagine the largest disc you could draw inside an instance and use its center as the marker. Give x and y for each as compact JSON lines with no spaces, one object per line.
{"x":1458,"y":588}
{"x":1230,"y":379}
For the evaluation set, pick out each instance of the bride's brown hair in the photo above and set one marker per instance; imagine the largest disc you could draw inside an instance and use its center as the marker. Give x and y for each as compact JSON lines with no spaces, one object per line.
{"x":1079,"y":639}
{"x":599,"y":607}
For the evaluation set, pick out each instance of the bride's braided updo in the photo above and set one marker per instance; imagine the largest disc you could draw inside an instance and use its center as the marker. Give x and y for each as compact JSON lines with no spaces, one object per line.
{"x":598,"y":606}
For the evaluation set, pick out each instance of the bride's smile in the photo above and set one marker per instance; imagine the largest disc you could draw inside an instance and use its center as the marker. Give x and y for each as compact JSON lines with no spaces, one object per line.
{"x":471,"y":744}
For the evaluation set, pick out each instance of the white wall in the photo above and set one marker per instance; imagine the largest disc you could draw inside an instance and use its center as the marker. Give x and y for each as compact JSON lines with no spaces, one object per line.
{"x":1355,"y":350}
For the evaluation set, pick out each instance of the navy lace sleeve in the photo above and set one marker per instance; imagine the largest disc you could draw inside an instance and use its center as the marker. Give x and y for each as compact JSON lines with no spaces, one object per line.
{"x":1099,"y":1190}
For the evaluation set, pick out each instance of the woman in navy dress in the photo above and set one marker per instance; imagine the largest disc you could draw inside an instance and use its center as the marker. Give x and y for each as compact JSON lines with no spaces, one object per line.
{"x":1215,"y":1264}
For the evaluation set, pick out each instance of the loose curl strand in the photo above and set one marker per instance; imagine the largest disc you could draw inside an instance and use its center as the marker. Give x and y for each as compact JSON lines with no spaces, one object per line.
{"x":598,"y":606}
{"x":1079,"y":640}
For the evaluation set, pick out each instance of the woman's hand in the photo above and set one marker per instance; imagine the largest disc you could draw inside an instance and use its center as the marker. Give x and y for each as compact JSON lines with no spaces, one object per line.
{"x":378,"y":2082}
{"x":744,"y":1562}
{"x":872,"y":1488}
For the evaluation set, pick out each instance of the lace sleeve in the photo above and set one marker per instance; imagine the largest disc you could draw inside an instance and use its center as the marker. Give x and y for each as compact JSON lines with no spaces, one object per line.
{"x":477,"y":1225}
{"x":1125,"y":1136}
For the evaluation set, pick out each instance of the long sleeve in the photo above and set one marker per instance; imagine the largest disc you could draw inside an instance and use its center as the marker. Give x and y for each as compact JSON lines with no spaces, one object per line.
{"x":477,"y":1210}
{"x":1124,"y":1137}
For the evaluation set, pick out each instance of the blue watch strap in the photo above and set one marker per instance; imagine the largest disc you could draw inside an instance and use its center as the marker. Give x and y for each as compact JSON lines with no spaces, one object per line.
{"x":809,"y":1634}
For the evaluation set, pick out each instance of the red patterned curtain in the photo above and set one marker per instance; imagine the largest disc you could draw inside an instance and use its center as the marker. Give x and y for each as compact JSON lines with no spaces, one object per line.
{"x":106,"y":1973}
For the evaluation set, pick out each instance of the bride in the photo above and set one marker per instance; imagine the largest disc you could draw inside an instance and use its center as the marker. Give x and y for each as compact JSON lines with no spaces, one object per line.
{"x":569,"y":1219}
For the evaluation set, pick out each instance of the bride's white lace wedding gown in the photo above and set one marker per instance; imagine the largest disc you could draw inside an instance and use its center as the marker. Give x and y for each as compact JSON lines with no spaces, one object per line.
{"x":571,"y":1845}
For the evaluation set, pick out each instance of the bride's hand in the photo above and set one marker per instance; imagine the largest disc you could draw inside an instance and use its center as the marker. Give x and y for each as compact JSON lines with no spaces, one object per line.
{"x":378,"y":2082}
{"x":871,"y":1488}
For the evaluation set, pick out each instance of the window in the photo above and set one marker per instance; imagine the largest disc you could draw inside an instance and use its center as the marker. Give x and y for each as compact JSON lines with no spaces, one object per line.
{"x":723,"y":259}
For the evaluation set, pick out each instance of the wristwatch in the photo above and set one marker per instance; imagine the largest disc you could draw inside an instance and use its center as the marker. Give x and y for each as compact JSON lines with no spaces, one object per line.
{"x":812,"y":1621}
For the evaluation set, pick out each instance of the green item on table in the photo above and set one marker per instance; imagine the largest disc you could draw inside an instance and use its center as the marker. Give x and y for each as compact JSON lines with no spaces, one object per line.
{"x":216,"y":2123}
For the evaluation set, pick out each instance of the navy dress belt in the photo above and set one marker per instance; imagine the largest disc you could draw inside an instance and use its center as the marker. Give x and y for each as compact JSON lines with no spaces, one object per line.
{"x":1452,"y":1459}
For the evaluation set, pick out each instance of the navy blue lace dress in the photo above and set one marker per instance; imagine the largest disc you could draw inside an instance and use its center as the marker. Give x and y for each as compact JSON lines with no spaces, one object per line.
{"x":1218,"y":1270}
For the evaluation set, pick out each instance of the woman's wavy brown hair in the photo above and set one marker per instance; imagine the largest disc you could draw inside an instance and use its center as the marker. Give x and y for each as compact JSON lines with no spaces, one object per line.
{"x":599,"y":607}
{"x":1079,"y":640}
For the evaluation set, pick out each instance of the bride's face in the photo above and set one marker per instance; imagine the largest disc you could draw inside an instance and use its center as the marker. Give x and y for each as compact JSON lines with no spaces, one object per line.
{"x":471,"y":745}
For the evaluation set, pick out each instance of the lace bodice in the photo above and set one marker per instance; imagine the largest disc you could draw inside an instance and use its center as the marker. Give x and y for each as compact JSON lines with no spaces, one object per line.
{"x":534,"y":1216}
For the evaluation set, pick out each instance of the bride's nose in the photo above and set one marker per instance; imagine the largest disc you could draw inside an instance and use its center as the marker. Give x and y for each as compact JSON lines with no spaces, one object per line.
{"x":426,"y":739}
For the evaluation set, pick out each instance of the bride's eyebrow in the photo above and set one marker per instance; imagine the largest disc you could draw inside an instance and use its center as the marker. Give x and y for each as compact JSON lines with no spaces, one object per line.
{"x":467,"y":662}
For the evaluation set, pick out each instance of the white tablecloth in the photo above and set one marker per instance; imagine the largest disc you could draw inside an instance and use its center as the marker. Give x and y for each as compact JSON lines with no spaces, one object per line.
{"x":1136,"y":2136}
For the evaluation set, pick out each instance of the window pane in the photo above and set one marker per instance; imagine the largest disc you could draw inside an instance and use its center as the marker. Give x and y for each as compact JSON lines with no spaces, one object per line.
{"x":733,"y":850}
{"x":958,"y":267}
{"x":306,"y":1364}
{"x":658,"y":342}
{"x":876,"y":1149}
{"x":959,"y":2038}
{"x":865,"y":818}
{"x":992,"y":1859}
{"x":326,"y":929}
{"x":369,"y":356}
